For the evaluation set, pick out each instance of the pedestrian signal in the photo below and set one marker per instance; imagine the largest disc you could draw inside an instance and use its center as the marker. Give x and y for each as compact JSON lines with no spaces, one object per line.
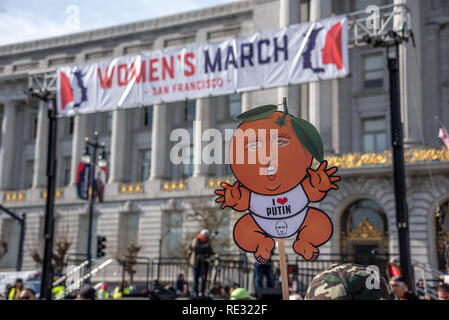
{"x":101,"y":246}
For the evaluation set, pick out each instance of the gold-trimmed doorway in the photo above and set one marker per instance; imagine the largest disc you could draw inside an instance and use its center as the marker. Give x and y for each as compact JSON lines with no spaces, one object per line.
{"x":364,"y":234}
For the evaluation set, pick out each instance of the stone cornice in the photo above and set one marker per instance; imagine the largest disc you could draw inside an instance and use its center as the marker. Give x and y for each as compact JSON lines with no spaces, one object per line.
{"x":130,"y":28}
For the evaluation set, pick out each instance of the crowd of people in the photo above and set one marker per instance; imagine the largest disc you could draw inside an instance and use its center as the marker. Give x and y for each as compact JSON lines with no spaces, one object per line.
{"x":330,"y":284}
{"x":18,"y":292}
{"x":319,"y":289}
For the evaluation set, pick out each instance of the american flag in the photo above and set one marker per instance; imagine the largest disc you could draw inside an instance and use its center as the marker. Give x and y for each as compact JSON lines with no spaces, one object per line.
{"x":444,"y":136}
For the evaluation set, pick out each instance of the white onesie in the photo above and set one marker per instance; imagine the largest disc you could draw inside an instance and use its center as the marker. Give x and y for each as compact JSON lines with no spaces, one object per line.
{"x":279,"y":215}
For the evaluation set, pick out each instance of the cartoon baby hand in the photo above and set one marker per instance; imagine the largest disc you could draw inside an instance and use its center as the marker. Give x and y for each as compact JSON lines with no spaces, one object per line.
{"x":229,"y":195}
{"x":322,"y":179}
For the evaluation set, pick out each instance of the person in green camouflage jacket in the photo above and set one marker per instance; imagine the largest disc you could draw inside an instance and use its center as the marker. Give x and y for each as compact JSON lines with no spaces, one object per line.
{"x":349,"y":282}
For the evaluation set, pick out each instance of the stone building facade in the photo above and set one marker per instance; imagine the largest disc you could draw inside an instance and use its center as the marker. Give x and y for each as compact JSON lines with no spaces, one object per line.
{"x":148,"y":198}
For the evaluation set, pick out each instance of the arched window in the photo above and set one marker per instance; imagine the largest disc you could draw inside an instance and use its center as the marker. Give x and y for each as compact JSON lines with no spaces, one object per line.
{"x":442,"y":236}
{"x":364,"y":233}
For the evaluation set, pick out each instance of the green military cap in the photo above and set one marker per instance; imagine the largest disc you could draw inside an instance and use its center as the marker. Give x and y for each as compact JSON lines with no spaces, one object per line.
{"x":349,"y":282}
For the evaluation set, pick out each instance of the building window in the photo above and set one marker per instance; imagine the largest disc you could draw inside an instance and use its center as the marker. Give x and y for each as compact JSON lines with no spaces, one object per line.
{"x":144,"y":164}
{"x":128,"y":233}
{"x":189,"y":110}
{"x":235,"y":105}
{"x":221,"y":239}
{"x":1,"y":124}
{"x":10,"y":235}
{"x":172,"y":229}
{"x":374,"y":135}
{"x":108,"y":122}
{"x":33,"y":126}
{"x":373,"y":71}
{"x":69,"y":126}
{"x":25,"y":66}
{"x":187,"y":168}
{"x":29,"y":173}
{"x":66,"y":167}
{"x":224,"y":33}
{"x":139,"y":48}
{"x":227,"y":172}
{"x":61,"y":61}
{"x":99,"y":55}
{"x":148,"y":116}
{"x":180,"y":41}
{"x":82,"y":237}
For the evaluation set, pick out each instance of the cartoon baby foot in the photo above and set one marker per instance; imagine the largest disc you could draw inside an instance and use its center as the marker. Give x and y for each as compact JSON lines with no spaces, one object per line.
{"x":308,"y":251}
{"x":263,"y":252}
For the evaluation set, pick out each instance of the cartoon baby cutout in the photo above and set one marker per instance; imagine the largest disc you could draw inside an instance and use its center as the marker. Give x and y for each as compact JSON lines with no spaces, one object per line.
{"x":271,"y":155}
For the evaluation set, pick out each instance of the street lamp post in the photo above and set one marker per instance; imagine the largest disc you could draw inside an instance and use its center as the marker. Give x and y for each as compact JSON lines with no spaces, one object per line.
{"x":102,"y":162}
{"x":397,"y":141}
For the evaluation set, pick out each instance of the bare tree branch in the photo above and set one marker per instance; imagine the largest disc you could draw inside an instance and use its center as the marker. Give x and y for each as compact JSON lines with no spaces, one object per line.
{"x":59,"y":261}
{"x":4,"y":249}
{"x":131,"y":259}
{"x":207,"y":217}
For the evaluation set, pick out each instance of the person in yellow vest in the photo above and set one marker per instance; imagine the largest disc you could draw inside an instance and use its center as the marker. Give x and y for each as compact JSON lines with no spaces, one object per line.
{"x":103,"y":292}
{"x":14,"y":293}
{"x":121,"y":290}
{"x":58,"y":292}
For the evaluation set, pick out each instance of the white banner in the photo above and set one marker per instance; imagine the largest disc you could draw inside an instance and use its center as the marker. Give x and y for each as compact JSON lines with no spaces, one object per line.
{"x":300,"y":53}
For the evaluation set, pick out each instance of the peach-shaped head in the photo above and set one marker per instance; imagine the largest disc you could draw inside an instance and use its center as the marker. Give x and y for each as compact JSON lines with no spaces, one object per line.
{"x":268,"y":158}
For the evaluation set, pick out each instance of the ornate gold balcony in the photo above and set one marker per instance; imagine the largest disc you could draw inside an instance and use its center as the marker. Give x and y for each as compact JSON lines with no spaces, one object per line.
{"x":214,"y":183}
{"x":355,"y":160}
{"x":179,"y":185}
{"x":15,"y":196}
{"x":131,"y":188}
{"x":59,"y":194}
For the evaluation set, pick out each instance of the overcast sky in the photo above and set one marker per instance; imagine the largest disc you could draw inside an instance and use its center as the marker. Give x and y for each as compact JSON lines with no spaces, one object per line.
{"x":24,"y":20}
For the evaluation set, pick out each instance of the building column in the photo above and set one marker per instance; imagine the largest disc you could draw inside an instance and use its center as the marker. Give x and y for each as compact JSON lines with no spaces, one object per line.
{"x":284,"y":21}
{"x":159,"y":142}
{"x":320,"y":93}
{"x":410,"y":77}
{"x":7,"y":146}
{"x":289,"y":13}
{"x":246,"y":101}
{"x":118,"y":145}
{"x":78,"y":144}
{"x":202,"y":122}
{"x":304,"y":16}
{"x":432,"y":84}
{"x":41,"y":148}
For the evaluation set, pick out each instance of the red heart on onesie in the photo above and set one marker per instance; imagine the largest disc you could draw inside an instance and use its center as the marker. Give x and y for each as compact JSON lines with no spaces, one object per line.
{"x":282,"y":200}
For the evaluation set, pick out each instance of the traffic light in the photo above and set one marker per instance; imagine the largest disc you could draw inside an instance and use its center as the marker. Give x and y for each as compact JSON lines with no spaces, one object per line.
{"x":292,"y":269}
{"x":101,"y":246}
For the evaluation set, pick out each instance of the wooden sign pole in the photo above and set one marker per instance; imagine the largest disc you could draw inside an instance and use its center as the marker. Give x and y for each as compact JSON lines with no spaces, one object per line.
{"x":283,"y":266}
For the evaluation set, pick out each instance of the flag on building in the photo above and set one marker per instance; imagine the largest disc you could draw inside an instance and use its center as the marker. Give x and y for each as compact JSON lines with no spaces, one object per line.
{"x":83,"y":181}
{"x":100,"y":181}
{"x":444,"y":136}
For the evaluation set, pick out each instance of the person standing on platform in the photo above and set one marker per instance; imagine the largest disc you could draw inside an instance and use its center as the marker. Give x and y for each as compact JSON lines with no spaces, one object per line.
{"x":200,"y":252}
